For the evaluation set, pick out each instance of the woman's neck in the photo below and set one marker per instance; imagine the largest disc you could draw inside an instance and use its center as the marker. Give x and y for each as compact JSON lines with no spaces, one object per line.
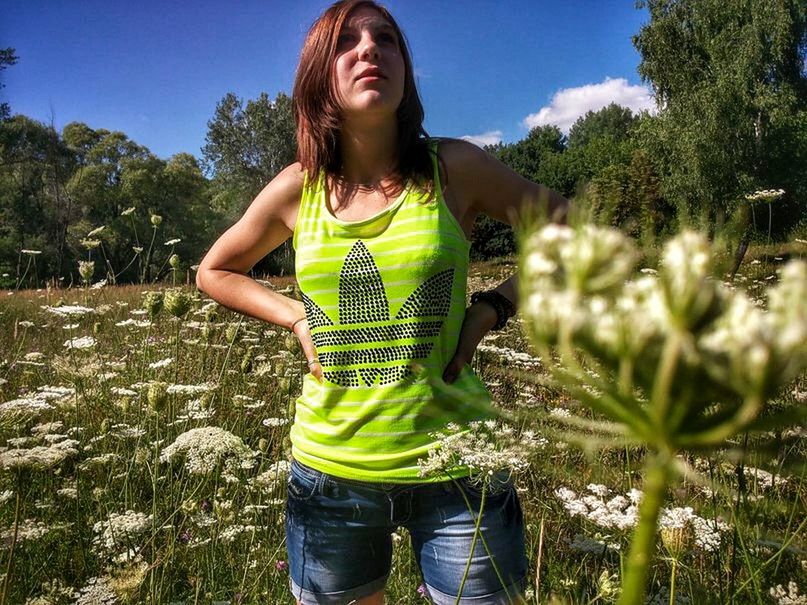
{"x":369,"y":152}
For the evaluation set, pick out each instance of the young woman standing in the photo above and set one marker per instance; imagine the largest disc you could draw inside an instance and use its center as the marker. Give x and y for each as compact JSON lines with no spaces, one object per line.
{"x":380,"y":217}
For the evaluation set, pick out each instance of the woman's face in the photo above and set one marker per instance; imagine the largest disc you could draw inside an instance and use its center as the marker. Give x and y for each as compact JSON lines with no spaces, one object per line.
{"x":369,"y":66}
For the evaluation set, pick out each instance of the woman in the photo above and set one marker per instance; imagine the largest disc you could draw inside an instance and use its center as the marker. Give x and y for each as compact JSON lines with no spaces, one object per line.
{"x":380,"y":217}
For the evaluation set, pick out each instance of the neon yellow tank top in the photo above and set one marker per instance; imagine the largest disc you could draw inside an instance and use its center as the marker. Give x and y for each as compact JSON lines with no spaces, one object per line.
{"x":380,"y":294}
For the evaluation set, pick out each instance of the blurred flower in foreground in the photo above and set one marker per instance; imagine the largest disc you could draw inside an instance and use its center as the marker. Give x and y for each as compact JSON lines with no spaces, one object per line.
{"x":673,"y":360}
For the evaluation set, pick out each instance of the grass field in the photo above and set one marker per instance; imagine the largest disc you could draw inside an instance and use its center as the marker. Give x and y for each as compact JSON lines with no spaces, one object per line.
{"x":95,"y":507}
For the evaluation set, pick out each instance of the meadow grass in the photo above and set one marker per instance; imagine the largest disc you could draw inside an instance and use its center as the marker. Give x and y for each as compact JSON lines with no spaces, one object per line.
{"x":96,"y":508}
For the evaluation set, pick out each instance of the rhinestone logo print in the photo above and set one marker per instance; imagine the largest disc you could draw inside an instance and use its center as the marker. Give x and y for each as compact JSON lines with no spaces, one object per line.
{"x":364,"y":319}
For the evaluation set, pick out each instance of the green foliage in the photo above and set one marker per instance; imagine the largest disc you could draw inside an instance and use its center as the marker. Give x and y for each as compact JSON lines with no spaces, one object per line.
{"x":728,"y":77}
{"x":7,"y":58}
{"x":245,"y":148}
{"x":613,"y":121}
{"x":55,"y":190}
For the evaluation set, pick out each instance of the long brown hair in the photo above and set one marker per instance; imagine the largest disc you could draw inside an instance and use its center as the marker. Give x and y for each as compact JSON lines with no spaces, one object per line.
{"x":317,"y":112}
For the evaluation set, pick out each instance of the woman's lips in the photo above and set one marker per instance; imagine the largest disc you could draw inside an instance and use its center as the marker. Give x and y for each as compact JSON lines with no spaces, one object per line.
{"x":371,"y":74}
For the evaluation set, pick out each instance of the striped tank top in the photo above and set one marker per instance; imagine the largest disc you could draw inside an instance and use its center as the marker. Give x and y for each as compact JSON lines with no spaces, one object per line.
{"x":380,"y":295}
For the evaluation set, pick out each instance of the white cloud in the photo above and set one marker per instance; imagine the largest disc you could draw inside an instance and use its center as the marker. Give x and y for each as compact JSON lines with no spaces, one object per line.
{"x":490,"y":137}
{"x":569,"y":104}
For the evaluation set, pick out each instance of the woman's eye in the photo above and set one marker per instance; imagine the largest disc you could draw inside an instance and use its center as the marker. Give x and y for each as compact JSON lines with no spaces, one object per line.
{"x":389,"y":38}
{"x":344,"y":39}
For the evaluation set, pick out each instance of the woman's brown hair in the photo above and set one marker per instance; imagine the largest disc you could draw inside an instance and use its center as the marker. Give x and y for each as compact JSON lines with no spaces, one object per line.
{"x":317,"y":112}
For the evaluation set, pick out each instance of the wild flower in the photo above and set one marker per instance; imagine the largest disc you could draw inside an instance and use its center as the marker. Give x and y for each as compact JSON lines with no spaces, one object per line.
{"x":177,"y":302}
{"x":38,"y":457}
{"x":5,"y":496}
{"x":69,"y":310}
{"x":126,"y":581}
{"x":123,"y":392}
{"x":71,"y":493}
{"x":54,"y":392}
{"x":163,"y":363}
{"x":275,"y":475}
{"x":207,"y":447}
{"x":82,"y":342}
{"x":128,"y":211}
{"x":153,"y":303}
{"x":172,"y":242}
{"x":31,"y":252}
{"x":31,"y":530}
{"x":765,"y":195}
{"x":789,"y":595}
{"x":156,"y":220}
{"x":90,"y":244}
{"x":121,"y":529}
{"x":484,"y":447}
{"x":97,"y":591}
{"x":681,"y":361}
{"x":274,"y":422}
{"x":98,"y":285}
{"x":230,"y":533}
{"x":190,"y":389}
{"x":586,"y":545}
{"x":24,"y":406}
{"x":516,"y":358}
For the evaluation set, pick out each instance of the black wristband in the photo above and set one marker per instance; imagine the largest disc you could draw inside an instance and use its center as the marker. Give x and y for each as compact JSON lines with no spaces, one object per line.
{"x":504,"y":308}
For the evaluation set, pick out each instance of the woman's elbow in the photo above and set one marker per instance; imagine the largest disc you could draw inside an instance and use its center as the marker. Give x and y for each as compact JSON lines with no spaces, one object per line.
{"x":201,"y":278}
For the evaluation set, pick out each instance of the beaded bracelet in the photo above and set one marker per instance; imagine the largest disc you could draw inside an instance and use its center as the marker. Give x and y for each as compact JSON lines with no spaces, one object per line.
{"x":504,"y":308}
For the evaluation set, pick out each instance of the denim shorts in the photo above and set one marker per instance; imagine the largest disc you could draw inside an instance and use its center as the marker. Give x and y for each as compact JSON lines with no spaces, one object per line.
{"x":339,"y":538}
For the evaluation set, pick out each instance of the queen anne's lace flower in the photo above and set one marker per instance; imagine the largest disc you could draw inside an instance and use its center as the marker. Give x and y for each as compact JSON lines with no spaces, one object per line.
{"x":205,"y":448}
{"x":121,"y":529}
{"x":38,"y":457}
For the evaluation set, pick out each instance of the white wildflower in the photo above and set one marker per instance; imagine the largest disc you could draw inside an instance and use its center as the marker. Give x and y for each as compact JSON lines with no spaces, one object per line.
{"x":273,"y":422}
{"x":38,"y":457}
{"x":121,"y":529}
{"x":275,"y":475}
{"x":789,"y":595}
{"x":204,"y":448}
{"x":82,"y":342}
{"x":69,"y":310}
{"x":172,"y":242}
{"x":190,"y":389}
{"x":98,"y":591}
{"x":163,"y":363}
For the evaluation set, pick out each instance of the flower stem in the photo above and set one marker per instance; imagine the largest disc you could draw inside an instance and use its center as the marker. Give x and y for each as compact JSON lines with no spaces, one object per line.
{"x":657,"y":473}
{"x":13,"y":539}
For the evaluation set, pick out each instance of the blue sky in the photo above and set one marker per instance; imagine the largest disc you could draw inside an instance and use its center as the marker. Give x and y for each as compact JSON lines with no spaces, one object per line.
{"x":488,"y":70}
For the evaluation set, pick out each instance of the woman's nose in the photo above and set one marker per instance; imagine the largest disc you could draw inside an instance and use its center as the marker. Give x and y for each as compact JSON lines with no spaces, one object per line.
{"x":368,"y":48}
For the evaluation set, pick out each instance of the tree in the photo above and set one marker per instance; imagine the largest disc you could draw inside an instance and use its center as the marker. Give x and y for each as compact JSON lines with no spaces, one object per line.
{"x":613,"y":121}
{"x":729,"y":78}
{"x":245,"y":148}
{"x":7,"y":58}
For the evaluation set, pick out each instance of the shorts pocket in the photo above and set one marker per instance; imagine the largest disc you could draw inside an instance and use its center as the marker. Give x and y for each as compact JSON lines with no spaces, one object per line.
{"x":303,"y":483}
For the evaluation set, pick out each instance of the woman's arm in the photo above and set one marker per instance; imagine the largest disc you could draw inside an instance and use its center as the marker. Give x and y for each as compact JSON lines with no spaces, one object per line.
{"x":476,"y":182}
{"x":268,"y":222}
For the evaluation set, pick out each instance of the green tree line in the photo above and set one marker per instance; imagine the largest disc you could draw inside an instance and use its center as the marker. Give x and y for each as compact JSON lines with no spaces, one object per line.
{"x":730,"y":82}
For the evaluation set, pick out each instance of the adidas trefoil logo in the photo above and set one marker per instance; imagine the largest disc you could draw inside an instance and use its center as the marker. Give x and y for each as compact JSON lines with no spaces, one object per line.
{"x":363,"y":300}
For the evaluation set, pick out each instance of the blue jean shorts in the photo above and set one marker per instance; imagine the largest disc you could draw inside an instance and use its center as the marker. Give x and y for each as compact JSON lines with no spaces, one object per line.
{"x":339,"y":538}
